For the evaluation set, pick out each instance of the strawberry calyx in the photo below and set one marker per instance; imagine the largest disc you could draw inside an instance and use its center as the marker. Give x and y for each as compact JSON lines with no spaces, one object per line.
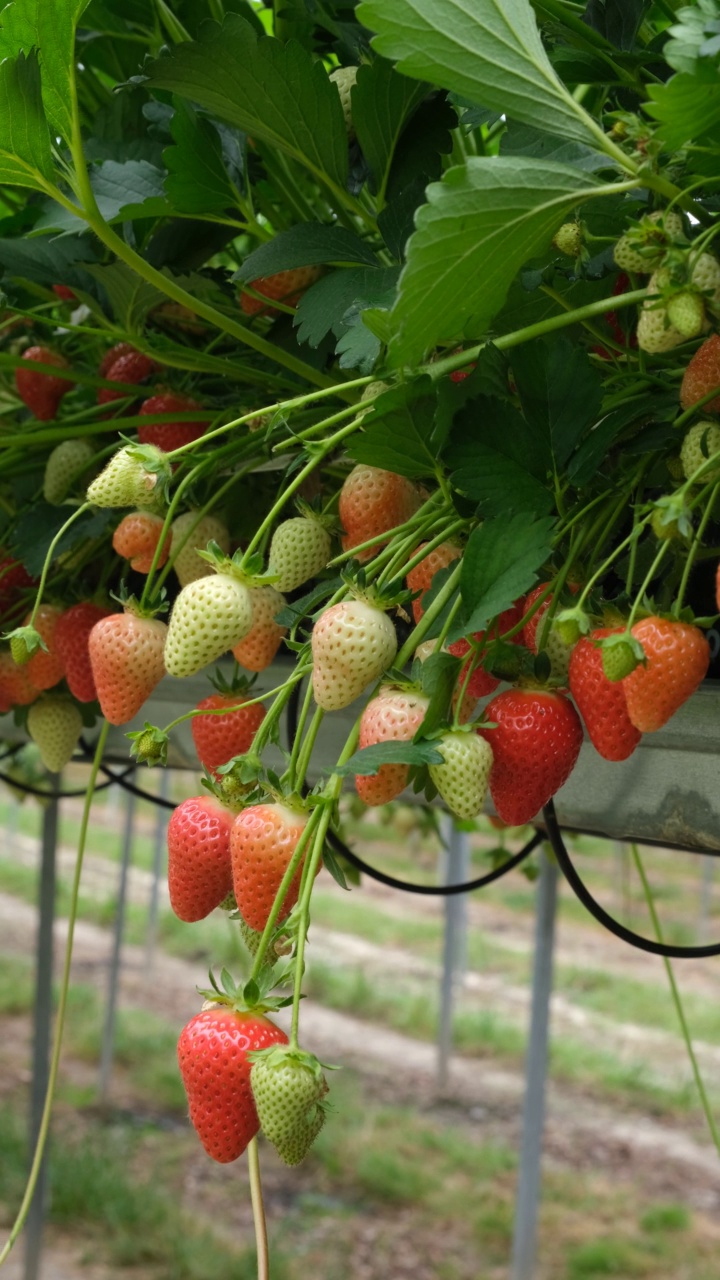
{"x":621,"y":654}
{"x":149,"y":745}
{"x":394,"y":595}
{"x":280,"y":1055}
{"x":150,"y":608}
{"x":247,"y":569}
{"x":310,"y":512}
{"x":252,"y":997}
{"x":572,"y":624}
{"x":24,"y":642}
{"x":239,"y":684}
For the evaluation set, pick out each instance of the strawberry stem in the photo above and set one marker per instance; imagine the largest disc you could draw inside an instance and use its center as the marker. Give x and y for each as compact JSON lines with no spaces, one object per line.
{"x":49,"y":556}
{"x":695,"y":547}
{"x":258,"y":1210}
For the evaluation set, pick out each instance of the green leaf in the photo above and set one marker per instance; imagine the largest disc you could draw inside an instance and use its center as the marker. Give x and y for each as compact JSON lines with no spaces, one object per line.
{"x":130,"y":297}
{"x":488,"y":52}
{"x":397,"y":220}
{"x":439,"y":675}
{"x":481,"y":223}
{"x":307,"y":245}
{"x":560,"y":393}
{"x":500,"y":563}
{"x":523,"y":140}
{"x":50,"y":261}
{"x":323,"y":306}
{"x":496,"y":459}
{"x":272,"y":91}
{"x":332,"y":865}
{"x":47,"y":25}
{"x":295,"y":611}
{"x":369,"y":760}
{"x":687,"y":107}
{"x":694,"y":36}
{"x":382,"y":103}
{"x":617,"y":20}
{"x":39,"y":524}
{"x":358,"y":347}
{"x":25,"y":157}
{"x":124,"y":192}
{"x":398,"y":433}
{"x":197,"y":181}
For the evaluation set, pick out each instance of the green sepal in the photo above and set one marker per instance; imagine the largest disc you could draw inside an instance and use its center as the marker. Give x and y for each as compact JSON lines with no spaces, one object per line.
{"x":24,"y":642}
{"x":149,"y":744}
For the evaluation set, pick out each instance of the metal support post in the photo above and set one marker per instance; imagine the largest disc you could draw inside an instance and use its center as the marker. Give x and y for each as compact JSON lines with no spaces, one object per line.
{"x":108,"y":1036}
{"x":706,"y":887}
{"x":457,"y":861}
{"x":161,"y":821}
{"x":42,"y":1023}
{"x":529,"y":1180}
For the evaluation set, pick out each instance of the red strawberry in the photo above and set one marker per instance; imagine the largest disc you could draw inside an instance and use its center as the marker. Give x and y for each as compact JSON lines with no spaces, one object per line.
{"x":64,"y":293}
{"x":129,"y":366}
{"x":199,"y":870}
{"x":16,"y":688}
{"x":46,"y":669}
{"x":601,"y":702}
{"x":14,"y":578}
{"x":535,"y":745}
{"x":420,"y":578}
{"x":481,"y":682}
{"x":218,"y":738}
{"x":262,"y":842}
{"x":136,"y":538}
{"x":372,"y":501}
{"x":393,"y":716}
{"x":703,"y":375}
{"x":212,"y":1055}
{"x":717,"y":587}
{"x":72,"y":633}
{"x":459,"y":375}
{"x":42,"y":392}
{"x":678,"y":656}
{"x":284,"y":286}
{"x":113,"y":355}
{"x":126,"y":654}
{"x":257,"y":649}
{"x":169,"y":435}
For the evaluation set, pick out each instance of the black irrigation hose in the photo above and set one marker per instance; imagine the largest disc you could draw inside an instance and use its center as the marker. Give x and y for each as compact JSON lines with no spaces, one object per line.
{"x":430,"y":891}
{"x":121,"y":780}
{"x":579,"y":887}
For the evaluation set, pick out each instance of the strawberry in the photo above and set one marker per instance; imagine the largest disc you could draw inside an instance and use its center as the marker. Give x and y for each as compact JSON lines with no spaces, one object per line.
{"x":699,"y":444}
{"x":135,"y":476}
{"x":46,"y":667}
{"x":72,"y":632}
{"x":344,"y":78}
{"x":654,"y":331}
{"x":136,"y":538}
{"x":352,"y":644}
{"x":393,"y":716}
{"x":264,"y":638}
{"x":16,"y":688}
{"x":717,"y":588}
{"x":643,"y":248}
{"x":113,"y":355}
{"x":212,"y":1055}
{"x":686,"y":313}
{"x":702,"y":375}
{"x":263,"y":839}
{"x":126,"y":655}
{"x":209,"y":617}
{"x":64,"y":293}
{"x":169,"y":435}
{"x":677,"y":658}
{"x":14,"y":578}
{"x":535,"y":745}
{"x":66,"y":463}
{"x":420,"y":578}
{"x":190,"y":535}
{"x":535,"y":633}
{"x":299,"y":550}
{"x":55,"y":724}
{"x":218,"y":738}
{"x":462,"y":780}
{"x":568,"y":239}
{"x":481,"y":682}
{"x":601,"y":702}
{"x":42,"y":392}
{"x":288,"y":1086}
{"x":199,"y":870}
{"x":373,"y":501}
{"x":285,"y":286}
{"x":129,"y":365}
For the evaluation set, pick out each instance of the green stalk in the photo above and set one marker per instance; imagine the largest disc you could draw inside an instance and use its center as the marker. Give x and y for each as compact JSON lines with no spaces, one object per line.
{"x":281,"y":894}
{"x":49,"y":557}
{"x":697,"y":540}
{"x":258,"y":1211}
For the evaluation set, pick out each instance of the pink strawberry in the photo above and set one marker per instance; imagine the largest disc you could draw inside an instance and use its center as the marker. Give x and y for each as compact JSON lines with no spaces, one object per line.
{"x":393,"y":716}
{"x":46,"y":668}
{"x":16,"y":689}
{"x":126,"y":655}
{"x":262,"y":842}
{"x":535,"y":745}
{"x":199,"y":870}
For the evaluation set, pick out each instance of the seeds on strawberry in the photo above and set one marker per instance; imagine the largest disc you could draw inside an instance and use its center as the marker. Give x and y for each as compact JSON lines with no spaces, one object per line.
{"x":263,"y":839}
{"x":218,"y":738}
{"x":285,"y":286}
{"x":258,"y":648}
{"x":199,"y":870}
{"x":462,"y":780}
{"x":299,"y":550}
{"x":42,"y":392}
{"x":700,"y":443}
{"x":169,"y":435}
{"x":67,"y":462}
{"x":55,"y":723}
{"x":353,"y":643}
{"x":372,"y":502}
{"x":344,"y":78}
{"x":677,"y":658}
{"x":601,"y":702}
{"x":72,"y":633}
{"x":209,"y":617}
{"x":46,"y":667}
{"x":16,"y":688}
{"x":702,"y":376}
{"x":288,"y":1086}
{"x":136,"y":539}
{"x":535,"y":745}
{"x":126,"y":655}
{"x":393,"y":716}
{"x":130,"y":479}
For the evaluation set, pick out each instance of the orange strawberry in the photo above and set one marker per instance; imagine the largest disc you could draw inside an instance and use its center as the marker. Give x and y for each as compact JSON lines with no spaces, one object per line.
{"x":283,"y":286}
{"x":136,"y":538}
{"x":257,"y":649}
{"x":46,"y":669}
{"x":677,"y":658}
{"x":393,"y":716}
{"x":16,"y":688}
{"x":702,"y":375}
{"x":420,"y":578}
{"x":262,"y":842}
{"x":373,"y":501}
{"x":126,"y":654}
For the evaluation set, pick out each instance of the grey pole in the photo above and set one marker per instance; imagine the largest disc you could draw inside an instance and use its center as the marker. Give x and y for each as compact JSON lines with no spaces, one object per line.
{"x":457,"y":860}
{"x":161,"y":821}
{"x":528,"y":1192}
{"x":42,"y":1021}
{"x":706,"y":886}
{"x":108,"y":1036}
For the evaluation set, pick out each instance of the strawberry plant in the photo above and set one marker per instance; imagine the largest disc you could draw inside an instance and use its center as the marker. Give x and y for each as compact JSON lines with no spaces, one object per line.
{"x":373,"y":346}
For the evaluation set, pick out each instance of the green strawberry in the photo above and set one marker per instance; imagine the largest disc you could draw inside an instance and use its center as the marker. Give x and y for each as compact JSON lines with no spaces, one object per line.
{"x":135,"y":476}
{"x":210,"y":616}
{"x":699,"y":444}
{"x":66,"y":462}
{"x":344,"y":78}
{"x":686,"y":312}
{"x":300,"y":548}
{"x":620,"y":656}
{"x":654,"y":331}
{"x":463,"y":779}
{"x":55,"y":724}
{"x":288,"y":1086}
{"x":568,"y":239}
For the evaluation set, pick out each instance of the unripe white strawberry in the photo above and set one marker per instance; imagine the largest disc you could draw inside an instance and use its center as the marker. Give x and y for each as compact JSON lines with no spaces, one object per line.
{"x":258,"y":648}
{"x":209,"y":617}
{"x":699,"y":444}
{"x":705,"y":276}
{"x":300,"y":548}
{"x":187,"y":541}
{"x":134,"y":477}
{"x":462,"y":780}
{"x":568,"y":239}
{"x":686,"y":313}
{"x":654,"y":331}
{"x":344,"y":78}
{"x":55,"y":724}
{"x":352,"y":644}
{"x":643,"y":249}
{"x":66,"y":462}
